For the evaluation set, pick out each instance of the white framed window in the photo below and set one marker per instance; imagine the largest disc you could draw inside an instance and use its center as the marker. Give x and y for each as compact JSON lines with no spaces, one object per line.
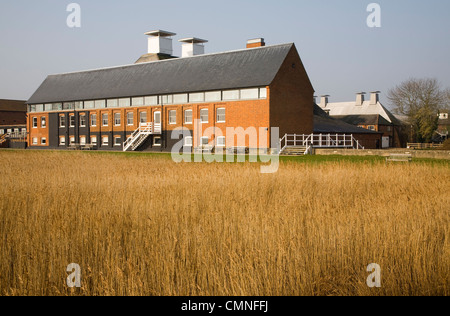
{"x":230,"y":95}
{"x":188,"y":141}
{"x":137,"y":102}
{"x":130,"y":118}
{"x":117,"y":119}
{"x":249,"y":94}
{"x":117,"y":141}
{"x":89,"y":104}
{"x":157,"y":141}
{"x":82,"y":120}
{"x":105,"y":119}
{"x":172,"y":117}
{"x":62,"y":141}
{"x":213,"y":96}
{"x":35,"y":122}
{"x":188,"y":117}
{"x":43,"y":141}
{"x":2,"y":131}
{"x":263,"y":93}
{"x":153,"y":100}
{"x":35,"y":140}
{"x":220,"y":141}
{"x":143,"y":117}
{"x":204,"y":115}
{"x":43,"y":122}
{"x":72,"y":120}
{"x":205,"y":141}
{"x":93,"y":140}
{"x":196,"y":97}
{"x":371,"y":127}
{"x":100,"y":104}
{"x":82,"y":140}
{"x":112,"y":103}
{"x":105,"y":141}
{"x":167,"y":99}
{"x":93,"y":120}
{"x":124,"y":103}
{"x":180,"y":98}
{"x":221,"y":115}
{"x":72,"y":140}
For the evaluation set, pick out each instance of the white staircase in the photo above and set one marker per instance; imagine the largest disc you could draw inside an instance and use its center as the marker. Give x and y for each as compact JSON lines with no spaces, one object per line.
{"x":140,"y":135}
{"x":3,"y":138}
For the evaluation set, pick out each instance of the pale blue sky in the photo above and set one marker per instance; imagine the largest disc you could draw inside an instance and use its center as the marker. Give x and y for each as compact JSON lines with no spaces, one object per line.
{"x":341,"y":54}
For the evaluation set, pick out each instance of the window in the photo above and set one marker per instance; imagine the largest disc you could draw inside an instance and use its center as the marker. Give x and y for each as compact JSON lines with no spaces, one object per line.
{"x":72,"y":121}
{"x":93,"y":140}
{"x":151,"y":100}
{"x":204,"y":113}
{"x":249,"y":94}
{"x":89,"y":104}
{"x":82,"y":120}
{"x":188,"y":117}
{"x":117,"y":141}
{"x":180,"y":98}
{"x":263,"y":93}
{"x":72,"y":140}
{"x":68,"y":106}
{"x":137,"y":102}
{"x":105,"y":141}
{"x":221,"y":141}
{"x":213,"y":96}
{"x":82,"y":140}
{"x":167,"y":99}
{"x":93,"y":120}
{"x":117,"y":119}
{"x":157,"y":141}
{"x":389,"y":129}
{"x":32,"y":108}
{"x":371,"y":127}
{"x":143,"y":118}
{"x":112,"y":103}
{"x":196,"y":97}
{"x":43,"y":141}
{"x":35,"y":122}
{"x":43,"y":122}
{"x":205,"y":141}
{"x":188,"y":141}
{"x":9,"y":131}
{"x":100,"y":104}
{"x":130,"y":118}
{"x":35,"y":141}
{"x":221,"y":115}
{"x":172,"y":117}
{"x":39,"y":108}
{"x":105,"y":119}
{"x":62,"y":141}
{"x":231,"y":95}
{"x":124,"y":103}
{"x":2,"y":131}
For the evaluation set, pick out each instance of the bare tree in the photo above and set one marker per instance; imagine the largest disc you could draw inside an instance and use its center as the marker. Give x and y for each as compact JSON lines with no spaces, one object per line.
{"x":419,"y":100}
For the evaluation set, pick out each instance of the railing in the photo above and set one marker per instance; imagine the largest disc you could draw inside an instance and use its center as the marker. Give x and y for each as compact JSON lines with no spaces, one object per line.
{"x":320,"y":141}
{"x":424,"y":146}
{"x":140,"y":134}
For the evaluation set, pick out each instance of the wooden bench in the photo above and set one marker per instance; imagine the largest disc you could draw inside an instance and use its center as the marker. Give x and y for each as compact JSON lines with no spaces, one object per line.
{"x":88,"y":147}
{"x":399,"y":158}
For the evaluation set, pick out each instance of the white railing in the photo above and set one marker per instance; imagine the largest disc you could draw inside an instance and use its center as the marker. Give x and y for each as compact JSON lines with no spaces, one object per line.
{"x":141,"y":134}
{"x":320,"y":141}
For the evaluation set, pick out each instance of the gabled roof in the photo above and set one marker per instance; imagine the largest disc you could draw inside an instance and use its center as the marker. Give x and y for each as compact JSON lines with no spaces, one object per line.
{"x":324,"y":124}
{"x":12,"y":106}
{"x":236,"y":69}
{"x":349,"y":109}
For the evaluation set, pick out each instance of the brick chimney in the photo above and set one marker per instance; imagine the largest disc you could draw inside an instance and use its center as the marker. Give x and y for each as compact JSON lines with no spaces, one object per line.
{"x":256,"y":42}
{"x":374,"y":97}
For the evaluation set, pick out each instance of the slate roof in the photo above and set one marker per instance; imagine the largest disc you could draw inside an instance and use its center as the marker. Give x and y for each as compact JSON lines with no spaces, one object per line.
{"x":12,"y":106}
{"x":325,"y":124}
{"x":229,"y":70}
{"x":363,"y":119}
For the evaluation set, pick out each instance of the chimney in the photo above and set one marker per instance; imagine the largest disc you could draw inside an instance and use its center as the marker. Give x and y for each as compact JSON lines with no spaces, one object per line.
{"x":374,"y":97}
{"x":159,"y":42}
{"x":192,"y":46}
{"x":256,"y":42}
{"x":360,"y":98}
{"x":324,"y":101}
{"x":315,"y":99}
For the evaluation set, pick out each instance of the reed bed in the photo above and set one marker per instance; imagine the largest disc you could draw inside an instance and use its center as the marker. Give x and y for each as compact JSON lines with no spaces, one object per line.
{"x":143,"y":225}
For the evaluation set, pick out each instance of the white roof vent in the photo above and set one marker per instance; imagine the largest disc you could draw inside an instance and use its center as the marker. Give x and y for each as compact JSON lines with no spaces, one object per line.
{"x":160,"y":42}
{"x":192,"y":46}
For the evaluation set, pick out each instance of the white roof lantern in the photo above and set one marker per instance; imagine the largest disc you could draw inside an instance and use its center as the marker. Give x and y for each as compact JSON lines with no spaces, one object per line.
{"x":160,"y":42}
{"x":192,"y":46}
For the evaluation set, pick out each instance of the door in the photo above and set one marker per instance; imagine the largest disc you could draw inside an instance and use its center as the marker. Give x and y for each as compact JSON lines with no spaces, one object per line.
{"x":157,"y":121}
{"x":385,"y":142}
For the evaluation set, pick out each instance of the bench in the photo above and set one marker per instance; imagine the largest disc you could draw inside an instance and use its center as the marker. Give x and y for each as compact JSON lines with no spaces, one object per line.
{"x":399,"y":158}
{"x":88,"y":147}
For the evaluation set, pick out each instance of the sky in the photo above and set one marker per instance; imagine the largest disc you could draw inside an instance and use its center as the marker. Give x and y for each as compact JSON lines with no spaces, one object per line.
{"x":341,"y":54}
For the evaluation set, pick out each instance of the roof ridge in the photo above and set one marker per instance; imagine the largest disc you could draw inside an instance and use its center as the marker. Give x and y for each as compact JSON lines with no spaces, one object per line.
{"x":172,"y":60}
